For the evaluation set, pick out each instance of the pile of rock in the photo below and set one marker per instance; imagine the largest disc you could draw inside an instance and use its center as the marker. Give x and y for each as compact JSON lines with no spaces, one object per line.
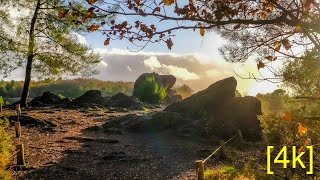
{"x":49,"y":98}
{"x":213,"y":112}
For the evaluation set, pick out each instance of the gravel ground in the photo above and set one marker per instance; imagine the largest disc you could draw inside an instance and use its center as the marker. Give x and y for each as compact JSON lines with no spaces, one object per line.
{"x":69,"y":151}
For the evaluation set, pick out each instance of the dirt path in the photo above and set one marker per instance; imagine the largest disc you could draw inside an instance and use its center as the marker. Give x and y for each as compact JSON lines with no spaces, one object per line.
{"x":69,"y":151}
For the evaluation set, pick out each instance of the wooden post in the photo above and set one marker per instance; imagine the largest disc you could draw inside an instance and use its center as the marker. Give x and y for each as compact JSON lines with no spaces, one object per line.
{"x":18,"y":109}
{"x":1,"y":107}
{"x":17,"y":127}
{"x":240,"y":136}
{"x":20,"y":155}
{"x":223,"y":154}
{"x":199,"y":169}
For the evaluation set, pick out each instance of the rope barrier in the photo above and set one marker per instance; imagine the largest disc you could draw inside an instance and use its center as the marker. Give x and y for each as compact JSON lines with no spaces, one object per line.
{"x":219,"y":148}
{"x":231,"y":138}
{"x":211,"y":154}
{"x":15,"y":153}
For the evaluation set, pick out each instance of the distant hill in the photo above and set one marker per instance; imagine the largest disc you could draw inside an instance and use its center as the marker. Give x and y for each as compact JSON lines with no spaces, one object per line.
{"x":67,"y":88}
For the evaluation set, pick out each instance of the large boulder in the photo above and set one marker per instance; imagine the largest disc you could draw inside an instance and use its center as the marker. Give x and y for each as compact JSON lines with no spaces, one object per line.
{"x":121,"y":100}
{"x":223,"y":112}
{"x":208,"y":100}
{"x":48,"y":98}
{"x":214,"y":113}
{"x":92,"y":97}
{"x":154,"y":88}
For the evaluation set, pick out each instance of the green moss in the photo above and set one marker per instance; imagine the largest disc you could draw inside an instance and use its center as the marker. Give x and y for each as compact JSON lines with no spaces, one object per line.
{"x":150,"y":91}
{"x":1,"y":100}
{"x":5,"y":147}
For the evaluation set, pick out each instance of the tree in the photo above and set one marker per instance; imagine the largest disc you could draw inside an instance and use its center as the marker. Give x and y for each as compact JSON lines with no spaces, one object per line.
{"x":268,"y":30}
{"x":302,"y":76}
{"x":44,"y":38}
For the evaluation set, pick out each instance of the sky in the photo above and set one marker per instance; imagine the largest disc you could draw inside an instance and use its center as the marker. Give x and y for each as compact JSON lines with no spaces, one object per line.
{"x":194,"y":60}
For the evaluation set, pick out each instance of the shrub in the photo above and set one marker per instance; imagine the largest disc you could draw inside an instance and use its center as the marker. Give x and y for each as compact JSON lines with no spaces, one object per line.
{"x":226,"y":172}
{"x":5,"y":147}
{"x":1,"y":100}
{"x":184,"y":91}
{"x":150,"y":91}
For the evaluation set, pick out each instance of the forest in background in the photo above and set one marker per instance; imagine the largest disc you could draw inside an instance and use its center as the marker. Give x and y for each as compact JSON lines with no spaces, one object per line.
{"x":72,"y":88}
{"x":67,"y":88}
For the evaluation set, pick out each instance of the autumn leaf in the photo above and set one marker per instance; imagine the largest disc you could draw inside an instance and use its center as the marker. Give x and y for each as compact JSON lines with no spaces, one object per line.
{"x":92,"y":1}
{"x":202,"y":32}
{"x":169,"y":43}
{"x":277,"y":45}
{"x":287,"y":117}
{"x":260,"y":65}
{"x":107,"y":42}
{"x":263,"y":15}
{"x":270,"y":58}
{"x":93,"y":28}
{"x":168,"y":2}
{"x":298,"y":29}
{"x":302,"y":130}
{"x":300,"y":149}
{"x":286,"y":43}
{"x":62,"y":13}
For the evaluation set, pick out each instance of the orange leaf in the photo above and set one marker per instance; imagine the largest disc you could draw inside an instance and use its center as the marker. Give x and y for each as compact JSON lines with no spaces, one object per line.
{"x":107,"y":42}
{"x":62,"y":13}
{"x":92,"y":1}
{"x":298,"y":29}
{"x":302,"y":130}
{"x":168,"y":2}
{"x":287,"y":117}
{"x":202,"y":32}
{"x":260,"y":65}
{"x":93,"y":28}
{"x":263,"y":15}
{"x":270,"y":58}
{"x":286,"y":43}
{"x":300,"y":149}
{"x":277,"y":45}
{"x":169,"y":43}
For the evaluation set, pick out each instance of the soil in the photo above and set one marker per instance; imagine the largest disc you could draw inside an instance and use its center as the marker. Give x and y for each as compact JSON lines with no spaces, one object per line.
{"x":78,"y":148}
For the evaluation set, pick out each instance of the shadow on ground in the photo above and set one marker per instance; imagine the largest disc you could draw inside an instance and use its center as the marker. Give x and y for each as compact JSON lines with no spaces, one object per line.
{"x":126,"y":156}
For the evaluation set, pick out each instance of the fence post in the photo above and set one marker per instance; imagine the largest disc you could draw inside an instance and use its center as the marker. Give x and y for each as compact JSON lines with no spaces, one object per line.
{"x":240,"y":136}
{"x":18,"y":109}
{"x":17,"y":127}
{"x":1,"y":107}
{"x":20,"y":155}
{"x":199,"y":169}
{"x":223,"y":154}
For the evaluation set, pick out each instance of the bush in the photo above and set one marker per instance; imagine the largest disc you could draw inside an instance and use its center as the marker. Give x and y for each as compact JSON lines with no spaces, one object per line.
{"x":1,"y":100}
{"x":5,"y":147}
{"x":184,"y":91}
{"x":150,"y":91}
{"x":226,"y":172}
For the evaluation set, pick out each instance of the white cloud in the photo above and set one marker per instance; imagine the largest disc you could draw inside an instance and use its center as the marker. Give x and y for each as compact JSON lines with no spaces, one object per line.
{"x":102,"y":63}
{"x":81,"y":39}
{"x":152,"y":63}
{"x":182,"y":73}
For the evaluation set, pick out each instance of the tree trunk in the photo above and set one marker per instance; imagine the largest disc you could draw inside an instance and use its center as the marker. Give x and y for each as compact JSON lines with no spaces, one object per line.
{"x":26,"y":86}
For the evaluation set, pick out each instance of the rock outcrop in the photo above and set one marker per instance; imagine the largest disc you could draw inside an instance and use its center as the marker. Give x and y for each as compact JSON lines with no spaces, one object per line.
{"x":163,"y":81}
{"x":212,"y":113}
{"x":92,"y":97}
{"x":121,"y":100}
{"x":49,"y":98}
{"x":224,"y":113}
